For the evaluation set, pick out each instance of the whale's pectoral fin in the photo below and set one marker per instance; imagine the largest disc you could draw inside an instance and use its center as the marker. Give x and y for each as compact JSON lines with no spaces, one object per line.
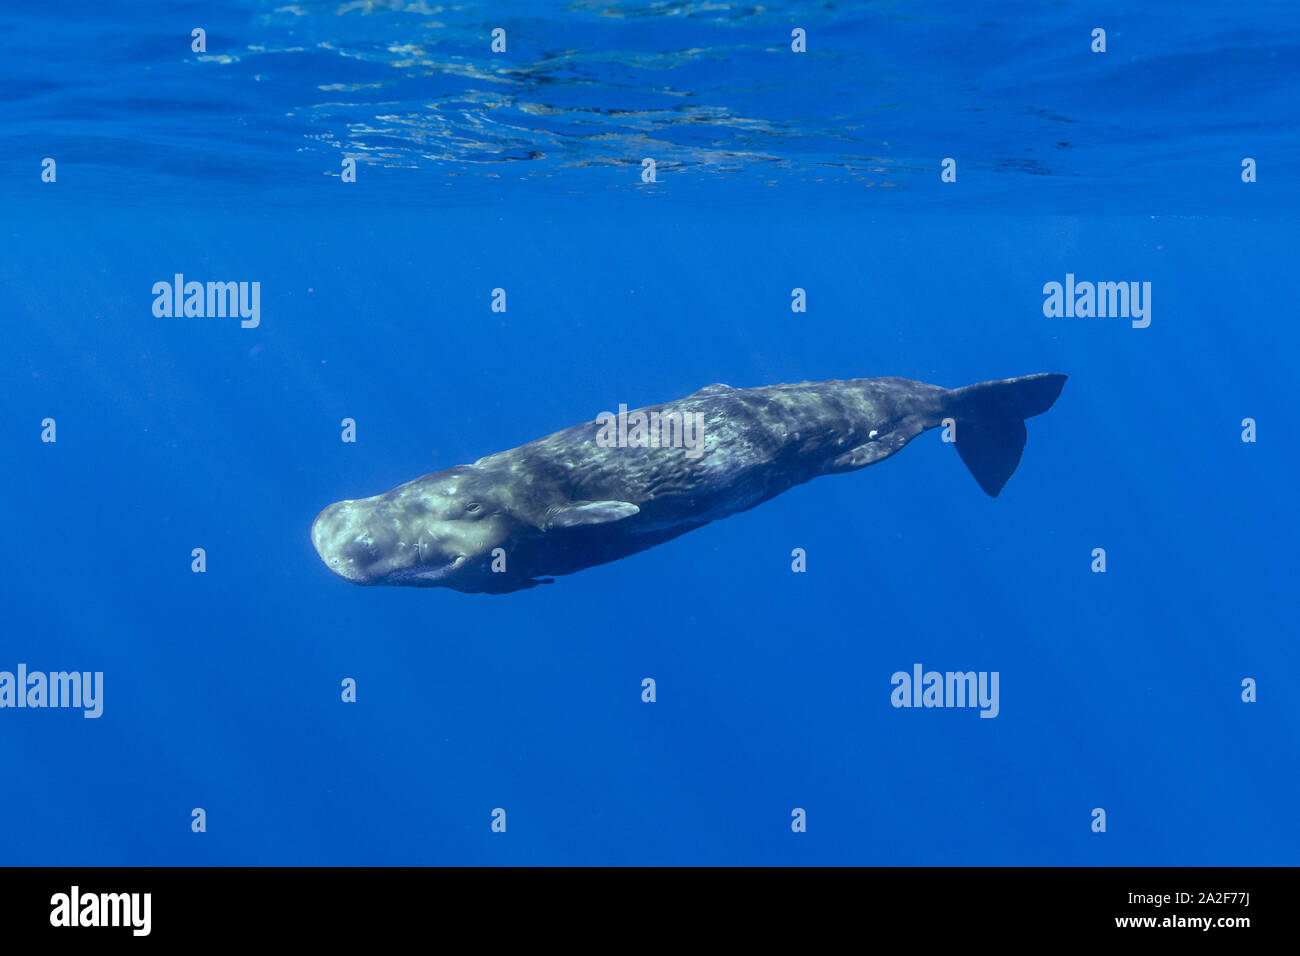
{"x":580,"y":513}
{"x":878,"y":449}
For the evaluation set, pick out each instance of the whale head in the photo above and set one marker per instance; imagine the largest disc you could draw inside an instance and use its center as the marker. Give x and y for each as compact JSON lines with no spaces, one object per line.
{"x":438,"y":531}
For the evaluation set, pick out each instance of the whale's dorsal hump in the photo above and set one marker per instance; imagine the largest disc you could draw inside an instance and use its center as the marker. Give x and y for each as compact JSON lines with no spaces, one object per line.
{"x":714,"y":389}
{"x":579,"y":513}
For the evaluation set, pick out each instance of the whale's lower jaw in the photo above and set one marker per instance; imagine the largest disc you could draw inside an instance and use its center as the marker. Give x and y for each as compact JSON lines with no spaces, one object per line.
{"x":416,"y":577}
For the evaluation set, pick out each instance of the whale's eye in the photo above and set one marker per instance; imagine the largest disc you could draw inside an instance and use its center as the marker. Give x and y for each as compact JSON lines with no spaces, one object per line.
{"x":473,"y":507}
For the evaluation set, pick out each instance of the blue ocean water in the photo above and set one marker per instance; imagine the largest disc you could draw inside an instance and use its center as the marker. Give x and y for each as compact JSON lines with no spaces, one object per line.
{"x":523,"y":170}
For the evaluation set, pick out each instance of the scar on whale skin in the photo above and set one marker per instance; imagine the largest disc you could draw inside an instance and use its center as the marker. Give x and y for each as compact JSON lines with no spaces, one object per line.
{"x":569,"y":501}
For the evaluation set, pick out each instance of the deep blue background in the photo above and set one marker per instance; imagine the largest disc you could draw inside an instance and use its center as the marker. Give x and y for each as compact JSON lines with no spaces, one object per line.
{"x":1119,"y":690}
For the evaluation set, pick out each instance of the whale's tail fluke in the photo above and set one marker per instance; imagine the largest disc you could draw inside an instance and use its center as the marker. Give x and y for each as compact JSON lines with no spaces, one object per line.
{"x":990,"y":420}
